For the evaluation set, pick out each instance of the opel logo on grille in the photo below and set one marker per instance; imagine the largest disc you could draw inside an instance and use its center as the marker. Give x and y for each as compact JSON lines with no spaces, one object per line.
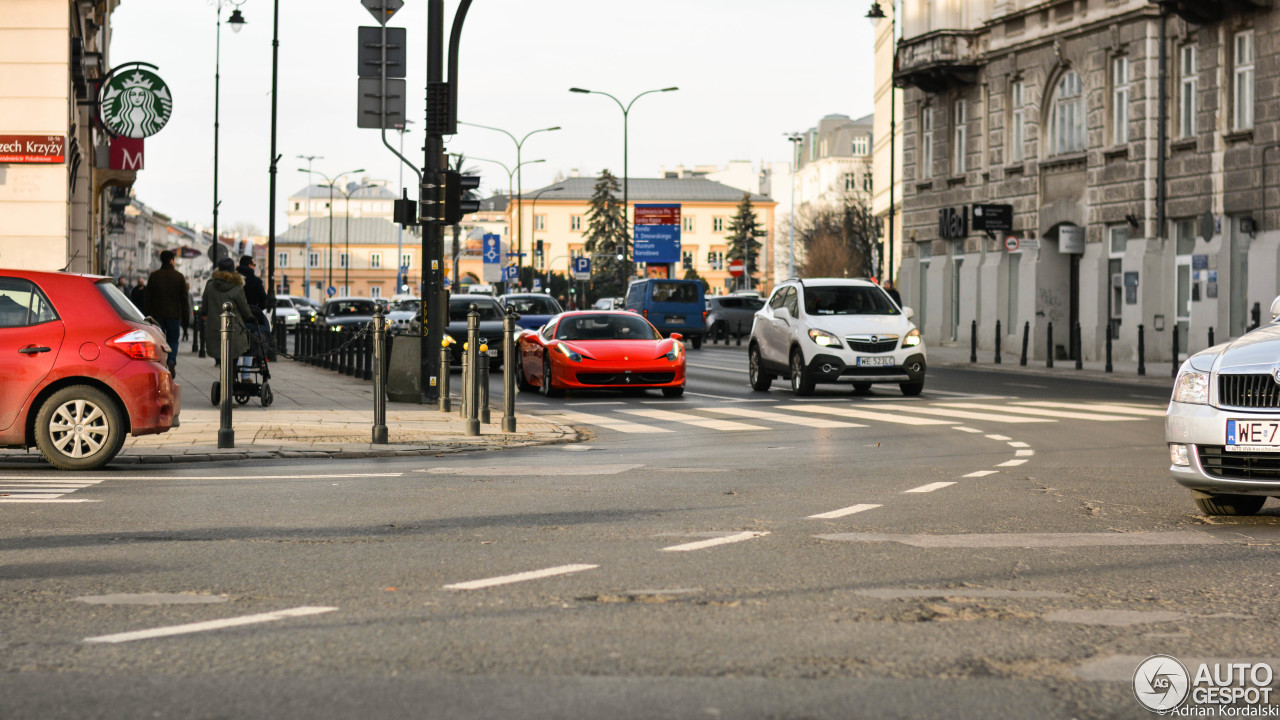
{"x":1275,"y":374}
{"x":876,"y":339}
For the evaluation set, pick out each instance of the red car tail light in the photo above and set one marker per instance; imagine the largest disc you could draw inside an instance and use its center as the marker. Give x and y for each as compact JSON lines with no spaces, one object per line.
{"x":138,"y":344}
{"x":646,"y":314}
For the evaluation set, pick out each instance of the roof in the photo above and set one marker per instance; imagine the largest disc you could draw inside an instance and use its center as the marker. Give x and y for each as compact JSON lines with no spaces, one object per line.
{"x":369,"y":192}
{"x":364,"y":231}
{"x":497,"y":203}
{"x":694,"y":189}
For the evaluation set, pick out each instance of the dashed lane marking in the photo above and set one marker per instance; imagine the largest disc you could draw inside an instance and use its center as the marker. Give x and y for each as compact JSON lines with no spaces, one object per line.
{"x":962,"y":428}
{"x":1025,"y":453}
{"x":709,"y":423}
{"x":844,"y":511}
{"x":1048,"y":413}
{"x":1012,"y":463}
{"x":981,"y":473}
{"x":1013,"y":443}
{"x":209,"y":625}
{"x":866,"y":415}
{"x":779,"y":417}
{"x":929,"y":488}
{"x":987,"y":417}
{"x":713,"y":542}
{"x":1000,"y":437}
{"x":519,"y":577}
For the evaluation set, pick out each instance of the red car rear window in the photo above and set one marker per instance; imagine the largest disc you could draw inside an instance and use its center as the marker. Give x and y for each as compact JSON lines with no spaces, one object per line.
{"x":123,"y":305}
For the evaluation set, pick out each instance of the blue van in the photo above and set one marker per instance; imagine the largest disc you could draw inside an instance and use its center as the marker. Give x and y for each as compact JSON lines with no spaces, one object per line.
{"x":671,"y":305}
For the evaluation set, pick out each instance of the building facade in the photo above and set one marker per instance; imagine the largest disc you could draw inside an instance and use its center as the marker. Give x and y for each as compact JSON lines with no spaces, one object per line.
{"x":1130,"y":139}
{"x":361,"y":260}
{"x":886,"y":151}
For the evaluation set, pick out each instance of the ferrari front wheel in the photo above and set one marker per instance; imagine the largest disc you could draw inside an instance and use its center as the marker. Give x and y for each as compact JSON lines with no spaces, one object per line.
{"x":548,"y":387}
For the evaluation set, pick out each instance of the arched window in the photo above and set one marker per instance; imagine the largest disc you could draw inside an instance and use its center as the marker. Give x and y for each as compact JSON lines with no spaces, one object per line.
{"x":1066,"y":115}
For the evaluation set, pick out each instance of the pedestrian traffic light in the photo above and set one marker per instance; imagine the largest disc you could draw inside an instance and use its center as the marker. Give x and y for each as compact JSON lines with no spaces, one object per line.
{"x":537,"y":246}
{"x":430,"y":207}
{"x":456,"y":185}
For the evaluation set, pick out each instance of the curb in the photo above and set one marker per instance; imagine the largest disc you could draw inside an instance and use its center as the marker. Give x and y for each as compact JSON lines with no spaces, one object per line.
{"x":1064,"y":373}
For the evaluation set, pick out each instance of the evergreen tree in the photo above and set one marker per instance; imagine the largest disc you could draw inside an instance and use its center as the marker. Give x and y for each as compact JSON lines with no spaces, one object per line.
{"x":742,"y":236}
{"x":606,"y":237}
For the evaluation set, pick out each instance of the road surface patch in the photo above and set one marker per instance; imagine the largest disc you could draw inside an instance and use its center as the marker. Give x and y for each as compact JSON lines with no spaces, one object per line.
{"x":713,"y":542}
{"x":1032,"y":540}
{"x":152,"y":599}
{"x":1012,"y":463}
{"x":531,"y":471}
{"x":992,"y":593}
{"x":1114,"y":618}
{"x":844,"y":511}
{"x":519,"y":577}
{"x":985,"y":416}
{"x":209,"y":625}
{"x":1115,"y":408}
{"x":1044,"y":413}
{"x":608,"y":423}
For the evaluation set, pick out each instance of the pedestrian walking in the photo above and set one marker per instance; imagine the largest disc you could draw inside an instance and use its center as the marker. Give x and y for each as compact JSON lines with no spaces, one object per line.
{"x":167,"y":300}
{"x":254,"y":291}
{"x":139,"y":296}
{"x":893,"y":292}
{"x":226,"y":286}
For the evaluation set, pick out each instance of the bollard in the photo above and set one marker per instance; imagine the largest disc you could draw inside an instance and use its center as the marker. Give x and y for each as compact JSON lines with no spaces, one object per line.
{"x":366,"y":356}
{"x":1108,"y":368}
{"x":226,"y":434}
{"x":326,"y":344}
{"x":473,"y":360}
{"x":973,"y":341}
{"x":1142,"y":350}
{"x":997,"y":341}
{"x":1078,"y":345}
{"x":379,"y":377}
{"x":482,"y":381}
{"x":446,"y":359}
{"x":509,"y":370}
{"x":1176,"y":348}
{"x":1026,"y":335}
{"x":463,"y":391}
{"x":1210,"y":337}
{"x":1048,"y":360}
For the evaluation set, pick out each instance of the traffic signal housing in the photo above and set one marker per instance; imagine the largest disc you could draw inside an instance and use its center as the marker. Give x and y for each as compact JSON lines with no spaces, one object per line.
{"x":456,"y":186}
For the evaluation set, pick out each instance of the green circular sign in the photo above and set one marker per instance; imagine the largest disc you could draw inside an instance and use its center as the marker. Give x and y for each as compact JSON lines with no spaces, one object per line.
{"x":135,"y":103}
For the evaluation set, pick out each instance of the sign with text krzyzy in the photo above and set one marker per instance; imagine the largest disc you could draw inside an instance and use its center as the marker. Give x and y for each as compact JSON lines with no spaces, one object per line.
{"x":43,"y":149}
{"x":657,"y":233}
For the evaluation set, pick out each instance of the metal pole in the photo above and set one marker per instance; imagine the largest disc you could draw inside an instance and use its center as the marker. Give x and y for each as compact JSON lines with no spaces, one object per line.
{"x":1176,"y":350}
{"x":973,"y":341}
{"x":1142,"y":351}
{"x":627,"y":265}
{"x":997,"y":341}
{"x":508,"y":370}
{"x":1076,"y":340}
{"x":1109,"y":367}
{"x":217,"y":85}
{"x":226,"y":434}
{"x":1048,"y":360}
{"x":445,"y":361}
{"x":1026,"y":335}
{"x":379,"y":378}
{"x":482,"y":382}
{"x":473,"y":360}
{"x":306,"y":259}
{"x":271,"y":190}
{"x":328,"y":283}
{"x":791,"y":231}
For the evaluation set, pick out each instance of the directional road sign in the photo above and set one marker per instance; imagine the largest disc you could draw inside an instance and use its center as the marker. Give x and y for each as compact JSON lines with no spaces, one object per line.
{"x":582,"y":268}
{"x":657,"y":233}
{"x":491,"y":254}
{"x":331,"y":291}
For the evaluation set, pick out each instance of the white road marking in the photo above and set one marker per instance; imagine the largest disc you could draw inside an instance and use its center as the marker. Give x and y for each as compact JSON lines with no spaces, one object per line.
{"x":1025,"y":453}
{"x":929,"y":488}
{"x":601,"y":402}
{"x":526,"y":471}
{"x":709,"y":423}
{"x":209,"y":625}
{"x":1011,"y":463}
{"x":519,"y":577}
{"x":724,"y":397}
{"x":50,"y":500}
{"x":106,"y":476}
{"x":999,"y":437}
{"x":982,"y":473}
{"x":699,"y":545}
{"x":608,"y":422}
{"x":988,"y":417}
{"x":962,"y":428}
{"x":779,"y":417}
{"x":1055,"y":414}
{"x":1015,"y":443}
{"x":716,"y":367}
{"x":1103,"y":407}
{"x":1040,"y":387}
{"x":1033,"y":540}
{"x":31,"y":496}
{"x":844,"y":511}
{"x":865,"y":415}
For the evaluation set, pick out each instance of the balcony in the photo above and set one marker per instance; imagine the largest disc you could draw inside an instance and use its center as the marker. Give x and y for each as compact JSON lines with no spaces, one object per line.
{"x":1203,"y":12}
{"x":937,"y":61}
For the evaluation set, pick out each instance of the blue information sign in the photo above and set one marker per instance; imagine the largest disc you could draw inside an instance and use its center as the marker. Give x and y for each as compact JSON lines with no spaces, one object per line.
{"x":582,"y":268}
{"x":657,"y":233}
{"x":331,"y":290}
{"x":492,"y":249}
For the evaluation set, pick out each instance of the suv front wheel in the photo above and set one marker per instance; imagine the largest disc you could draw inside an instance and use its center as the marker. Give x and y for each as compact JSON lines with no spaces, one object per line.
{"x":801,"y":383}
{"x":759,"y":377}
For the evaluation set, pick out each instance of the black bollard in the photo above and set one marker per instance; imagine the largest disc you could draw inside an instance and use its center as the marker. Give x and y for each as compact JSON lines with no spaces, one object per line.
{"x":482,"y":382}
{"x":379,"y":377}
{"x":1210,"y":337}
{"x":463,"y":391}
{"x":1048,"y":360}
{"x":1108,"y":368}
{"x":1079,"y":346}
{"x":353,"y":351}
{"x":973,"y":341}
{"x":1026,"y":335}
{"x":226,"y":434}
{"x":473,"y":359}
{"x":997,"y":341}
{"x":509,"y":370}
{"x":366,"y":359}
{"x":1176,"y":350}
{"x":1142,"y":350}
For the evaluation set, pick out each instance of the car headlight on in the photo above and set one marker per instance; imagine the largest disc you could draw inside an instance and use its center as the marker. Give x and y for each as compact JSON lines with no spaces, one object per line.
{"x":674,"y":353}
{"x":823,"y":338}
{"x":1192,"y":386}
{"x":564,"y":350}
{"x":912,"y":339}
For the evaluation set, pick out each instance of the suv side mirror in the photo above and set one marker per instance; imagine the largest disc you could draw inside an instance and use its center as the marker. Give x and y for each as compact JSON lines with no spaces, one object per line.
{"x":909,"y":313}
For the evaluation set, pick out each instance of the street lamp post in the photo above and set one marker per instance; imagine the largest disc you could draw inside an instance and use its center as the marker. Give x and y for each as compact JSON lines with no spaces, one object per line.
{"x":876,"y":14}
{"x":400,"y":266}
{"x":331,"y":182}
{"x":511,"y":172}
{"x":795,"y":139}
{"x":628,"y":267}
{"x":306,"y":255}
{"x":533,"y":223}
{"x":236,"y":21}
{"x":519,"y":178}
{"x":346,"y":237}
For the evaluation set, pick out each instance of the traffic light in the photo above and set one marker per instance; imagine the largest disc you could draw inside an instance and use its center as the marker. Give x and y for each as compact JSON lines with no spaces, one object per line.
{"x":430,"y":208}
{"x":686,"y":261}
{"x":456,"y":186}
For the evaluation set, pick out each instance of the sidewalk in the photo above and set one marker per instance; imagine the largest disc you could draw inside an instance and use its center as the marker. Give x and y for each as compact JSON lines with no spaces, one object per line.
{"x":316,"y":414}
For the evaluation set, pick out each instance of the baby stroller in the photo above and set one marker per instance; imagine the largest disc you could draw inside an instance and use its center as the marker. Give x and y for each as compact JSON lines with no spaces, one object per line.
{"x":252,"y":371}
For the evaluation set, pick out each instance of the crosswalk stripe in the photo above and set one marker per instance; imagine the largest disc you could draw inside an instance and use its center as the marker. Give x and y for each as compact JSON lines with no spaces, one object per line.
{"x":866,"y":415}
{"x":844,"y":511}
{"x":610,"y":423}
{"x":779,"y":417}
{"x":714,"y":542}
{"x":981,"y":473}
{"x":1103,"y":407}
{"x":709,"y":423}
{"x":1045,"y":412}
{"x":988,"y":417}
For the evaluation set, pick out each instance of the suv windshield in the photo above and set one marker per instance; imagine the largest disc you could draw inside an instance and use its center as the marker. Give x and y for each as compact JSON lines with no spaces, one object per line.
{"x":486,"y":306}
{"x":605,"y":327}
{"x":847,"y":300}
{"x":534,"y":305}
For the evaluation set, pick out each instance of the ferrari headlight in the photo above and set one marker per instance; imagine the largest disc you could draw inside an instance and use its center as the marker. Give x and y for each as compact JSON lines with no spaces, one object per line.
{"x":564,"y":350}
{"x":1192,"y":386}
{"x":912,"y":339}
{"x":674,"y":353}
{"x":823,"y":338}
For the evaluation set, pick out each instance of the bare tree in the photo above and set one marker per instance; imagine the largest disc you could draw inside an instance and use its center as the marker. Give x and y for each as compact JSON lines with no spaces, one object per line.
{"x":838,"y":239}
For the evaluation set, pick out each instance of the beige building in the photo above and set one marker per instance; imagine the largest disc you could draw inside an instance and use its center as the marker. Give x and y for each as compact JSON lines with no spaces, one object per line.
{"x":886,"y":151}
{"x":53,"y":161}
{"x":363,"y":264}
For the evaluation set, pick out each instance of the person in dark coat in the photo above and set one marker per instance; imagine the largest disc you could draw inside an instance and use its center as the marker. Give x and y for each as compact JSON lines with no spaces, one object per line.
{"x":893,"y":292}
{"x":139,"y":296}
{"x":254,"y":291}
{"x":226,"y":286}
{"x":167,"y":300}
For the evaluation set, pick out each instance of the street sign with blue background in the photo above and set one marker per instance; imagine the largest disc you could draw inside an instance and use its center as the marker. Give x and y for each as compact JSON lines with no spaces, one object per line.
{"x":491,"y":254}
{"x":510,"y":272}
{"x":582,"y":268}
{"x":657,"y":233}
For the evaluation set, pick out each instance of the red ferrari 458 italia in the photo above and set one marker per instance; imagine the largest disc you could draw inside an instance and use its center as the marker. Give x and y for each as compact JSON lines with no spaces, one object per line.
{"x":599,"y":350}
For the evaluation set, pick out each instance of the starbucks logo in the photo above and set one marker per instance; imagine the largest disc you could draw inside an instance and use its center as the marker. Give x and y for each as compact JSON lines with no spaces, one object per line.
{"x":135,"y":104}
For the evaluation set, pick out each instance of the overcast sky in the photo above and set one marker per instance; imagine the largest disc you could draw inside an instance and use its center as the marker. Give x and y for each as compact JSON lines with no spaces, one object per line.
{"x":748,"y":72}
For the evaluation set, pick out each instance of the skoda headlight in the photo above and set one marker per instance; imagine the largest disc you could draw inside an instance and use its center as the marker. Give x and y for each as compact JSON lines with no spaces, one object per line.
{"x":912,"y":339}
{"x":564,"y":350}
{"x":824,"y":338}
{"x":1192,"y":387}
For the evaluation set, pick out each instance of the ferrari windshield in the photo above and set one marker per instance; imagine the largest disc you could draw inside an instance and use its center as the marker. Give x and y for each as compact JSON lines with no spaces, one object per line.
{"x":847,"y":300}
{"x":605,"y":327}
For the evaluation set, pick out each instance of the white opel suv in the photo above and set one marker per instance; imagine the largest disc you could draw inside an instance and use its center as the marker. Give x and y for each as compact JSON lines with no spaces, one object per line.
{"x":827,"y":330}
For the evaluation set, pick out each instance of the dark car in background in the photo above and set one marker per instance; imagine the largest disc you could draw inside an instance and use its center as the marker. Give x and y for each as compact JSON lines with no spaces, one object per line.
{"x":535,"y":309}
{"x":731,"y":315}
{"x":491,"y":325}
{"x":346,"y":312}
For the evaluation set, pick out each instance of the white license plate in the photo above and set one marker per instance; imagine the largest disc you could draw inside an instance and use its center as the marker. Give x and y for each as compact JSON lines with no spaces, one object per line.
{"x":675,"y":319}
{"x":493,"y":352}
{"x":875,"y":361}
{"x":1253,"y":435}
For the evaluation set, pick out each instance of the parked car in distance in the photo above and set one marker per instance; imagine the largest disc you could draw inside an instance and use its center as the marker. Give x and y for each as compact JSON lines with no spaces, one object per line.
{"x":402,"y":313}
{"x":671,"y":306}
{"x":307,"y":308}
{"x":80,"y":368}
{"x":481,"y":289}
{"x":1223,"y":423}
{"x":826,"y":330}
{"x":599,"y":350}
{"x":285,"y":311}
{"x":608,"y":304}
{"x":731,"y":315}
{"x":535,"y":309}
{"x":346,"y":312}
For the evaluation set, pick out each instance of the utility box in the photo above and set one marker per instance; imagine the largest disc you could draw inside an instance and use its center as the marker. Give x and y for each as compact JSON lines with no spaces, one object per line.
{"x":404,"y":368}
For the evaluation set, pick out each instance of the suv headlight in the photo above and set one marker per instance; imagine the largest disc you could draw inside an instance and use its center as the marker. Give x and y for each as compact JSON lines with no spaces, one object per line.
{"x":1192,"y":386}
{"x":823,"y":338}
{"x":912,"y":339}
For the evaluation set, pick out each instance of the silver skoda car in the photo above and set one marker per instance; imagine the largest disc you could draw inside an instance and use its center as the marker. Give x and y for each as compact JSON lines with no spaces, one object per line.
{"x":1223,"y":423}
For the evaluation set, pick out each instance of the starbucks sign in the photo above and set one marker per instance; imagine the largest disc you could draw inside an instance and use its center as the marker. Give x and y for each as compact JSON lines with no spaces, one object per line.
{"x":135,"y":103}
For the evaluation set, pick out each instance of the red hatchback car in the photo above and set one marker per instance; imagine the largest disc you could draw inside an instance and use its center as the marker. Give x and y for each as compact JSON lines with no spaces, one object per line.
{"x":80,"y":368}
{"x":599,"y":351}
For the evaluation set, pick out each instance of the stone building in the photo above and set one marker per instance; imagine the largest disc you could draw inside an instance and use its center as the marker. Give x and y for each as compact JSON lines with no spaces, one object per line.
{"x":1130,"y":139}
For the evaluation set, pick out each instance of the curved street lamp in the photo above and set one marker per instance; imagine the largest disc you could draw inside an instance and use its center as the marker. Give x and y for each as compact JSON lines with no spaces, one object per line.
{"x":511,"y":172}
{"x":330,"y":182}
{"x":628,"y":268}
{"x":236,"y":21}
{"x":875,"y":15}
{"x":533,"y":224}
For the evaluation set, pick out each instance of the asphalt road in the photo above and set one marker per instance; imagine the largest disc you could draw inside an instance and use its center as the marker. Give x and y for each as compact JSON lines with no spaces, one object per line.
{"x":1002,"y":546}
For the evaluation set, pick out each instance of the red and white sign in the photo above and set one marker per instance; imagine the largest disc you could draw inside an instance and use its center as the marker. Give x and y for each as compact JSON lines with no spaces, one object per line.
{"x":657,"y":215}
{"x":1012,"y":243}
{"x":126,"y":153}
{"x":44,"y":149}
{"x":736,"y":268}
